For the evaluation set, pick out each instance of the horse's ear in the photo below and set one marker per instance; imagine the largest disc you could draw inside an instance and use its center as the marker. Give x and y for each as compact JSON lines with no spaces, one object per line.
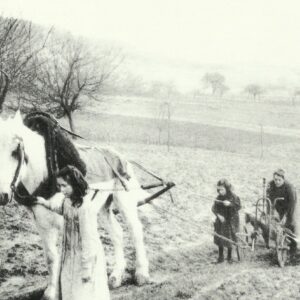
{"x":18,"y":117}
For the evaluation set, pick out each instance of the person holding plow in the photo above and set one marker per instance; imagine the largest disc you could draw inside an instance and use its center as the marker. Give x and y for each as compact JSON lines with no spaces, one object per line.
{"x":226,"y":209}
{"x":283,"y":197}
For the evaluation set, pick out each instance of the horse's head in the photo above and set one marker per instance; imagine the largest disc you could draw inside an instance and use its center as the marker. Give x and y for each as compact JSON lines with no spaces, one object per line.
{"x":11,"y":147}
{"x":13,"y":158}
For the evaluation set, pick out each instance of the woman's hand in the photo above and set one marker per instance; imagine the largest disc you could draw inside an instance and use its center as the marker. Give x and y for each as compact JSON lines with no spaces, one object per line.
{"x":226,"y":203}
{"x":86,"y":279}
{"x":221,"y":218}
{"x":40,"y":200}
{"x":37,"y":200}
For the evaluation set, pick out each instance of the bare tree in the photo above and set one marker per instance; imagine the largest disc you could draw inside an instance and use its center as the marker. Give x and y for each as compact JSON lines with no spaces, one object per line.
{"x":71,"y":74}
{"x":19,"y":45}
{"x":215,"y":81}
{"x":254,"y":90}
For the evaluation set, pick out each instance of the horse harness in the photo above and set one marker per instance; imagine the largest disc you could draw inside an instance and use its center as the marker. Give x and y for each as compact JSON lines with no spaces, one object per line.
{"x":55,"y":136}
{"x":19,"y":191}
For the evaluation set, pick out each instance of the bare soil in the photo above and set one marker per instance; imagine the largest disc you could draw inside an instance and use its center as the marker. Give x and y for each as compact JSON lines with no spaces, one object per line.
{"x":177,"y":235}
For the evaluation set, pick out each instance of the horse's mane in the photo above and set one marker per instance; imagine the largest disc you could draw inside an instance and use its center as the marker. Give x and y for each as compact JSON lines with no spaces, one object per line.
{"x":60,"y":151}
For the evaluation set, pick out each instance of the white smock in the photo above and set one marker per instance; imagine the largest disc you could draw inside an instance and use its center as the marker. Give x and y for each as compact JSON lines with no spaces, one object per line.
{"x":82,"y":252}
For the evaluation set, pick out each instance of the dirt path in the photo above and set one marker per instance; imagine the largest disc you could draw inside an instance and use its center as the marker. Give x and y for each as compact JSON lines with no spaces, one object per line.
{"x":195,"y":275}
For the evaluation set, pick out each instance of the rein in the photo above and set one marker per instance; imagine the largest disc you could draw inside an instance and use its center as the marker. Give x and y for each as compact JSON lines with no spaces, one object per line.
{"x":56,"y":156}
{"x":60,"y":152}
{"x":21,"y":160}
{"x":19,"y":191}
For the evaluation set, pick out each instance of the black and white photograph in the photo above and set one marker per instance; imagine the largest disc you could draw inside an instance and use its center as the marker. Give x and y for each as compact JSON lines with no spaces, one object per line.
{"x":149,"y":149}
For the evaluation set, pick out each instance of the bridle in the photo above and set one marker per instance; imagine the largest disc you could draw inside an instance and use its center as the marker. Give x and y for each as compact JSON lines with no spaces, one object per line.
{"x":18,"y":191}
{"x":21,"y":157}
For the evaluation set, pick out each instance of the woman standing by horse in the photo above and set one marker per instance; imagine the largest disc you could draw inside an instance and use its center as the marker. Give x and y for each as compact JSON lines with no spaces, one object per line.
{"x":83,"y":267}
{"x":225,"y":208}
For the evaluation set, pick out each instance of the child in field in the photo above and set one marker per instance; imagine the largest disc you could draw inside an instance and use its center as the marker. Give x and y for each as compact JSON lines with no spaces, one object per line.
{"x":225,"y":208}
{"x":83,"y":267}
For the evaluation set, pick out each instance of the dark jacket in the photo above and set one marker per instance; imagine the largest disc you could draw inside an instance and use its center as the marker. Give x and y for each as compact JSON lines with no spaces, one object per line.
{"x":230,"y":227}
{"x":286,"y":206}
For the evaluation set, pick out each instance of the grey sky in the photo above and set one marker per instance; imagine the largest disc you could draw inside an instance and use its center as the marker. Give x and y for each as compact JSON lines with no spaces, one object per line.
{"x":212,"y":31}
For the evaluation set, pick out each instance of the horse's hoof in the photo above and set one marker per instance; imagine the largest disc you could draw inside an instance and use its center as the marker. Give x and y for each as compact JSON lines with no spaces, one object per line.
{"x":114,"y":281}
{"x":141,"y":279}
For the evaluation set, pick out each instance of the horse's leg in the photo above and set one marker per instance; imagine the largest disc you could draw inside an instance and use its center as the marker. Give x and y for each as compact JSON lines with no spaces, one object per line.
{"x":53,"y":262}
{"x":128,"y":207}
{"x":116,"y":234}
{"x":49,"y":225}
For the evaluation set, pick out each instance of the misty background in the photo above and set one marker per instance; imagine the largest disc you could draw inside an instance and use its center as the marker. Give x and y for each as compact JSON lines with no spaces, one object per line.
{"x":247,"y":41}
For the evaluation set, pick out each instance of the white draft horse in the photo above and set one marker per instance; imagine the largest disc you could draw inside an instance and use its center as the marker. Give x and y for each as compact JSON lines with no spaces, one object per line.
{"x":31,"y":169}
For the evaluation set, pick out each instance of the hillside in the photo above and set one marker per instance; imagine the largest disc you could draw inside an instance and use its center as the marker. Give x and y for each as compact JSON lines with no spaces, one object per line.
{"x":208,"y":142}
{"x":178,"y":236}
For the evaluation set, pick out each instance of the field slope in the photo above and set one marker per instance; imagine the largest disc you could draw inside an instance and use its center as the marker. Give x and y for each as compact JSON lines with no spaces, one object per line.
{"x":177,"y":235}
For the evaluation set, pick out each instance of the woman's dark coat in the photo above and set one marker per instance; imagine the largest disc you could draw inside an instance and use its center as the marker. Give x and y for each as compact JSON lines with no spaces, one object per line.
{"x":231,"y":224}
{"x":287,"y":206}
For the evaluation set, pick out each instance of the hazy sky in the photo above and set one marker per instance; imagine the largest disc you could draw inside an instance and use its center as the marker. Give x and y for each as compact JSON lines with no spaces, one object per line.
{"x":212,"y":31}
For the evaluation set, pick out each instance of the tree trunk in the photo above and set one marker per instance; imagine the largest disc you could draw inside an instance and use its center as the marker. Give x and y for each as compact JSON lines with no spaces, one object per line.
{"x":71,"y":122}
{"x":3,"y":91}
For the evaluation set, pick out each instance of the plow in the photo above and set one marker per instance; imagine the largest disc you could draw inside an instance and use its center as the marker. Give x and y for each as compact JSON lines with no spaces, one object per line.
{"x":266,"y":226}
{"x":59,"y":151}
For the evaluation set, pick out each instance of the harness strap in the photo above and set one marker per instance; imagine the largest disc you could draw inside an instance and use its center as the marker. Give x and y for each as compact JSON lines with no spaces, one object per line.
{"x":22,"y":195}
{"x":147,"y":171}
{"x":117,"y":174}
{"x":21,"y":158}
{"x":44,"y":114}
{"x":95,"y":194}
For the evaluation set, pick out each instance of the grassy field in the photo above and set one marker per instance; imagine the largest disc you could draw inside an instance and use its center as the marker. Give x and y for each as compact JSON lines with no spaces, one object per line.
{"x":234,"y":113}
{"x":177,"y":235}
{"x":106,"y":128}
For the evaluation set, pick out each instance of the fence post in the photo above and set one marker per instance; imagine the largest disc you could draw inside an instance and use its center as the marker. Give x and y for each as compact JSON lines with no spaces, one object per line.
{"x":261,"y":141}
{"x":169,"y":124}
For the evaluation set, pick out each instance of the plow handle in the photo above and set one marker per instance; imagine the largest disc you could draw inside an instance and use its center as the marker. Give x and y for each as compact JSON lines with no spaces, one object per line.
{"x":168,"y":186}
{"x":151,"y":186}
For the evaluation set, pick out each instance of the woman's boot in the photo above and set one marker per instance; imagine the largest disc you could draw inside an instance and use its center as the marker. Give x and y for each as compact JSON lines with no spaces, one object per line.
{"x":221,"y":254}
{"x":229,"y":255}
